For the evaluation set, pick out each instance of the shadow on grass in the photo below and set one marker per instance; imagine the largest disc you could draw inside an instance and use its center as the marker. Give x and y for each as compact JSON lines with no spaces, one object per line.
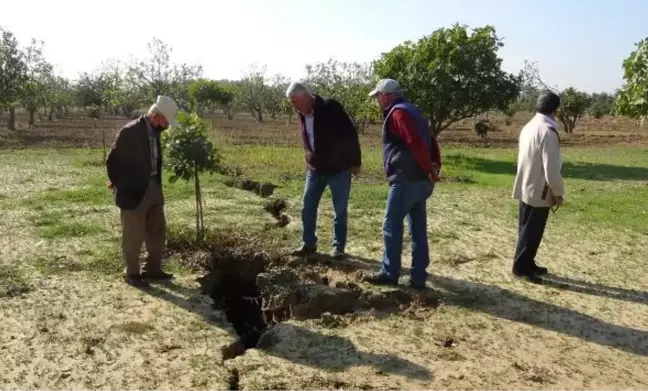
{"x":327,"y":352}
{"x":333,"y":353}
{"x":594,"y":289}
{"x":513,"y":306}
{"x":590,"y":171}
{"x":509,"y":305}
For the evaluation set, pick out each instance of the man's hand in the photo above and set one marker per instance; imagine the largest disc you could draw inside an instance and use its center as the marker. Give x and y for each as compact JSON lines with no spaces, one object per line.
{"x":110,"y":185}
{"x":557,"y":200}
{"x":356,"y":171}
{"x":434,"y":175}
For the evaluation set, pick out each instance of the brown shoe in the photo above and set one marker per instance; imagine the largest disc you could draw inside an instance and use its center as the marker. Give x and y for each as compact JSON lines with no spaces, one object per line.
{"x":158,"y":275}
{"x":136,"y":281}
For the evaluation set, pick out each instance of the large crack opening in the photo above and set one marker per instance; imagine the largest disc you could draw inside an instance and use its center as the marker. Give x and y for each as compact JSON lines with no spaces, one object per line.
{"x":257,"y":291}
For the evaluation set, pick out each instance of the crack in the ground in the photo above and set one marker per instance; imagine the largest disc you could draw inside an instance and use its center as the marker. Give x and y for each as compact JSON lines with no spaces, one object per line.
{"x":234,"y":380}
{"x":264,"y":189}
{"x":257,"y":291}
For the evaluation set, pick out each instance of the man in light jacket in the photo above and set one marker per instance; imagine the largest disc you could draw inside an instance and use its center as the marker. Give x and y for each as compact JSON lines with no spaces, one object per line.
{"x":538,"y":184}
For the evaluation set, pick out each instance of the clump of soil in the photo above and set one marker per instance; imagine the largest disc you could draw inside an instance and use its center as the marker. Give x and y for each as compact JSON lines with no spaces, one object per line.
{"x":276,"y":208}
{"x":264,"y":189}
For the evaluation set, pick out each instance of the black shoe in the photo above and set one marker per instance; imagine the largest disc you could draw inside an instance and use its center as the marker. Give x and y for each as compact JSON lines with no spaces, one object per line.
{"x":529,"y":276}
{"x":136,"y":281}
{"x":378,"y":279}
{"x":304,"y":251}
{"x":416,"y":286}
{"x":338,"y":254}
{"x":540,"y":270}
{"x":159,"y":275}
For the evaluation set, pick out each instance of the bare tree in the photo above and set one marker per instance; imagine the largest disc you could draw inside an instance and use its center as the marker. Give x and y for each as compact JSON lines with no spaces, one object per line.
{"x":252,"y":91}
{"x":158,"y":75}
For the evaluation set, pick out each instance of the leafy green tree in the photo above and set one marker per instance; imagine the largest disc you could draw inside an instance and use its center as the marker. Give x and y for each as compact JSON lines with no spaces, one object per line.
{"x":227,"y":101}
{"x":58,"y":96}
{"x":348,"y":83}
{"x":573,"y":105}
{"x":275,"y":95}
{"x":119,"y":96}
{"x":91,"y":93}
{"x":34,"y":89}
{"x":190,"y":153}
{"x":452,"y":74}
{"x":632,"y":99}
{"x":206,"y":93}
{"x":13,"y":73}
{"x":601,"y":104}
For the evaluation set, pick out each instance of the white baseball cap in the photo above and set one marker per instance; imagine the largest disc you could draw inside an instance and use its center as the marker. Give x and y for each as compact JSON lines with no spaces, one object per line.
{"x":386,"y":86}
{"x":167,"y":107}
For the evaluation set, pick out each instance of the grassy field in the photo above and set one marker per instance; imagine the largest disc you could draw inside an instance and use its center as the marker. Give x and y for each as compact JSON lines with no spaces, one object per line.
{"x":68,"y":321}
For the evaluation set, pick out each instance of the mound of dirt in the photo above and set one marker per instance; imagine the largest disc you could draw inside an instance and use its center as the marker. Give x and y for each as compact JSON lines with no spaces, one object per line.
{"x":264,"y":190}
{"x":276,"y":208}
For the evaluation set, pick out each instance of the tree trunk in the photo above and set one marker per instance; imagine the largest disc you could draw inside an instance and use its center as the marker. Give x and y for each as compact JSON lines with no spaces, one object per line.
{"x":229,"y":113}
{"x":199,"y":212}
{"x":11,"y":124}
{"x":32,"y":112}
{"x":103,"y":141}
{"x":50,"y":113}
{"x":259,"y":116}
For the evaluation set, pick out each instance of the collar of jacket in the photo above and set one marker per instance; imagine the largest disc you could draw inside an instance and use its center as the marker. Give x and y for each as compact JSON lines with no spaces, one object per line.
{"x":546,"y":119}
{"x":394,"y":103}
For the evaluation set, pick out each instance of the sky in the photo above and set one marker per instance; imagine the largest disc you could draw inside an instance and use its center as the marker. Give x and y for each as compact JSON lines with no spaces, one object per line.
{"x":574,"y":42}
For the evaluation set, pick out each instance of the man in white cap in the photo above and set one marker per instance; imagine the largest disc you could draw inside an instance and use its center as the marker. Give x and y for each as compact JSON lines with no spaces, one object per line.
{"x":411,"y":161}
{"x":134,"y":166}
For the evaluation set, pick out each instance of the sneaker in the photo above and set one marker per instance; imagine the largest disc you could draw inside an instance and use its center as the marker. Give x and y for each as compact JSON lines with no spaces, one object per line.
{"x":136,"y":281}
{"x":159,"y":275}
{"x":304,"y":251}
{"x":378,"y":279}
{"x":338,"y":254}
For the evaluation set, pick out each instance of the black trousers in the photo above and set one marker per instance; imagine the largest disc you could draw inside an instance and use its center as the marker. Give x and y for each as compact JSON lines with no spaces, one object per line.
{"x":531,"y":225}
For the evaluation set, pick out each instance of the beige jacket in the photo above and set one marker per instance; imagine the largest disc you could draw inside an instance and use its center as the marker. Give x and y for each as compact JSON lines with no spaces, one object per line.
{"x":539,"y":163}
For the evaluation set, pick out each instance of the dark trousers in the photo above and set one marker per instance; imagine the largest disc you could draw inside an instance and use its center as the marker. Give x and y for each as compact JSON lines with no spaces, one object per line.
{"x":531,"y":225}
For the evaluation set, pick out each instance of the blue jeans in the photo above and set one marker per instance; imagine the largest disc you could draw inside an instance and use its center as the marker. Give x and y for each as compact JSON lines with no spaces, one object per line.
{"x":340,"y":185}
{"x":407,"y":199}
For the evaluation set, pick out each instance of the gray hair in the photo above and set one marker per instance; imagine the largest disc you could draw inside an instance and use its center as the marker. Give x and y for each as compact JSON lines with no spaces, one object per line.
{"x":297,"y":89}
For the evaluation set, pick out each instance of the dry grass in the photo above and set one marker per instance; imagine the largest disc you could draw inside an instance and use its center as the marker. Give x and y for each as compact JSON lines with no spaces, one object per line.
{"x":68,"y":321}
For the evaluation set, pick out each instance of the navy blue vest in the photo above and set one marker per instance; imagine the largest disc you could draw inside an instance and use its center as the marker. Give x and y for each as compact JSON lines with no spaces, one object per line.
{"x":398,"y":160}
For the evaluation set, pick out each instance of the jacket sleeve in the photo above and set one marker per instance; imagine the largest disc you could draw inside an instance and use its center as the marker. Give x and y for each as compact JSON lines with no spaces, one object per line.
{"x":404,"y":126}
{"x":119,"y":157}
{"x":550,"y":147}
{"x":349,"y":133}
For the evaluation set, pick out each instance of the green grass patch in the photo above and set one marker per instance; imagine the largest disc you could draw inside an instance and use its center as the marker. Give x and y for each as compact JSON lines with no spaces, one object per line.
{"x":13,"y":281}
